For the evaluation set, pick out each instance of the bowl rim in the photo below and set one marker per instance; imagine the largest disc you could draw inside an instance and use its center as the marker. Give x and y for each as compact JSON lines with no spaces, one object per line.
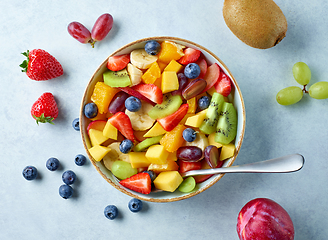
{"x":217,"y":177}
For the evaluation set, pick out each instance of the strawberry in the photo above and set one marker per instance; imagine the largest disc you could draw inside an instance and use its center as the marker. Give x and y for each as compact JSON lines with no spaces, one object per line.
{"x":190,"y":55}
{"x":123,"y":124}
{"x":150,"y":91}
{"x":171,"y":121}
{"x":139,"y":182}
{"x":117,"y":63}
{"x":40,"y":65}
{"x":136,"y":94}
{"x":188,"y":166}
{"x":45,"y":109}
{"x":212,"y":75}
{"x":223,"y":85}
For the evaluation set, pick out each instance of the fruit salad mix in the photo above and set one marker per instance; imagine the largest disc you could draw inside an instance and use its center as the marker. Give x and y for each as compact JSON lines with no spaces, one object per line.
{"x":160,"y":111}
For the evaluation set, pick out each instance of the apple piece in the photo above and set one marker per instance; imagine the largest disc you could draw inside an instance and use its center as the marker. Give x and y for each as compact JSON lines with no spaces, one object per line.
{"x":97,"y":125}
{"x":264,"y":219}
{"x":212,"y":75}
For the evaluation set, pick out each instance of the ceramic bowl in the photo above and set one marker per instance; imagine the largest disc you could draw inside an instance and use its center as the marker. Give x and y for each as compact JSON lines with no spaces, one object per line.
{"x":235,"y":97}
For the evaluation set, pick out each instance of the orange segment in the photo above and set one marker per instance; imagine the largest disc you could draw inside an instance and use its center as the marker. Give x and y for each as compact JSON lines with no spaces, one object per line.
{"x":192,"y":105}
{"x":152,"y":73}
{"x":169,"y":166}
{"x":102,"y":95}
{"x":170,"y":51}
{"x":173,"y":140}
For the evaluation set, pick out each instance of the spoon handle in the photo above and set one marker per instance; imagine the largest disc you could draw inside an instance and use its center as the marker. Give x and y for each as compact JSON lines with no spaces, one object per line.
{"x":289,"y":163}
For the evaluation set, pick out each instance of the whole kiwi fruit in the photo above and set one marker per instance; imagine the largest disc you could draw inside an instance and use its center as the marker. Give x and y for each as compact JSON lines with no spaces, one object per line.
{"x":258,"y":23}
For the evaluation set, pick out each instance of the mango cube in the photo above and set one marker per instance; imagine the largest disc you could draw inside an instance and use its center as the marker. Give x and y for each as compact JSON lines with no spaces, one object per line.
{"x":169,"y":51}
{"x":169,"y":166}
{"x":173,"y":140}
{"x":102,"y":95}
{"x":138,"y":159}
{"x":173,"y":66}
{"x":192,"y":105}
{"x":96,"y":137}
{"x":172,"y":157}
{"x":197,"y":119}
{"x":98,"y":152}
{"x":170,"y":81}
{"x":156,"y":130}
{"x":157,"y":154}
{"x":152,"y":73}
{"x":168,"y":181}
{"x":110,"y":131}
{"x":227,"y":151}
{"x":211,"y":140}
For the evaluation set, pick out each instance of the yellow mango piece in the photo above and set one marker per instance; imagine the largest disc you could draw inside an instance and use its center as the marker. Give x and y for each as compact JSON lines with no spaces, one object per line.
{"x":155,"y":131}
{"x":110,"y":131}
{"x":211,"y":141}
{"x":169,"y":166}
{"x":158,"y":82}
{"x":170,"y":82}
{"x":138,"y":159}
{"x":157,"y":154}
{"x":98,"y":152}
{"x":197,"y":119}
{"x":173,"y":140}
{"x":168,"y":181}
{"x":184,"y":119}
{"x":169,"y":51}
{"x":162,"y":65}
{"x":172,"y":157}
{"x":192,"y":105}
{"x":173,"y":66}
{"x":102,"y":96}
{"x":96,"y":137}
{"x":227,"y":151}
{"x":152,"y":73}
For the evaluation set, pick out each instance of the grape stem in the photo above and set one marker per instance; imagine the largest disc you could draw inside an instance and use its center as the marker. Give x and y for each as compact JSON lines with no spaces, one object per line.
{"x":92,"y":42}
{"x":304,"y":89}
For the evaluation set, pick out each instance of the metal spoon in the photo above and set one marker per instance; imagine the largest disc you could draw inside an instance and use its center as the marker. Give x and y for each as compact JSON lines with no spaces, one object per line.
{"x":285,"y":164}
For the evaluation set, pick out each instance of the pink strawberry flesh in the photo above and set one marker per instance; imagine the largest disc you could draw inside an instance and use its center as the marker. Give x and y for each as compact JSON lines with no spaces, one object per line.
{"x":122,"y":122}
{"x":190,"y":55}
{"x":136,"y":94}
{"x":117,"y":63}
{"x":223,"y":85}
{"x":139,"y":182}
{"x":171,"y":121}
{"x":150,"y":91}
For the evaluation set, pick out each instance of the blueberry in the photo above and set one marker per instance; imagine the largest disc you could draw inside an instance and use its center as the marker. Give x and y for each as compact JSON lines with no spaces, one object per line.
{"x":90,"y":110}
{"x":133,"y":104}
{"x":151,"y":174}
{"x":126,"y":146}
{"x":189,"y":134}
{"x":203,"y":102}
{"x":135,"y":205}
{"x":30,"y":173}
{"x":152,"y":47}
{"x":111,"y":212}
{"x":65,"y":191}
{"x":69,"y":177}
{"x":52,"y":164}
{"x":76,"y":124}
{"x":80,"y":160}
{"x":192,"y":70}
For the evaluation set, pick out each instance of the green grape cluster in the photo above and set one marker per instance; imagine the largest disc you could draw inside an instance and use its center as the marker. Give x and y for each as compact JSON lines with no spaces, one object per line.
{"x":294,"y":94}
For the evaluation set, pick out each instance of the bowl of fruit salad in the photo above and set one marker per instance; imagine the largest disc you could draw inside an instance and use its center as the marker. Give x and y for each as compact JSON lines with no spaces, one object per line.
{"x":157,"y":108}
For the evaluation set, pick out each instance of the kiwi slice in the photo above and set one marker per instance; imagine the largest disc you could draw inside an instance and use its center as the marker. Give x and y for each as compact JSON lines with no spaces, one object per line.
{"x":147,"y":143}
{"x":117,"y":79}
{"x":227,"y":125}
{"x":169,"y":105}
{"x":209,"y":124}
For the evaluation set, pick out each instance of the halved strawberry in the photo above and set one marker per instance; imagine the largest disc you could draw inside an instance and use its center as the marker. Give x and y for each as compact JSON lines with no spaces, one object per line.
{"x":190,"y":55}
{"x":117,"y":63}
{"x":123,"y":124}
{"x":171,"y":121}
{"x":150,"y":91}
{"x":97,"y":125}
{"x":212,"y":75}
{"x":136,"y":94}
{"x":139,"y":182}
{"x":188,"y":166}
{"x":203,"y":67}
{"x":223,"y":85}
{"x":202,"y":178}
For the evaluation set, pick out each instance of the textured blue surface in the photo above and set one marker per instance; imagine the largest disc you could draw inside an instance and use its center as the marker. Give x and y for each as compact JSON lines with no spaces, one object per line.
{"x":34,"y":209}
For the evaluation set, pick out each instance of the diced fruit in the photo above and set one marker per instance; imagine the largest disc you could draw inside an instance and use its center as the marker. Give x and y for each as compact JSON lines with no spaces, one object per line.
{"x":117,"y":63}
{"x":227,"y":151}
{"x":138,"y":159}
{"x":192,"y":71}
{"x":152,"y":73}
{"x":170,"y":51}
{"x":122,"y":122}
{"x":173,"y":140}
{"x":212,"y":155}
{"x":114,"y":155}
{"x":212,"y":115}
{"x":136,"y":94}
{"x":191,"y":55}
{"x":183,"y":82}
{"x":150,"y":91}
{"x":171,"y":121}
{"x":139,"y":135}
{"x":141,"y":59}
{"x":173,"y":66}
{"x":147,"y":143}
{"x":140,"y":182}
{"x":97,"y":124}
{"x":170,"y":82}
{"x":227,"y":124}
{"x":102,"y":27}
{"x":98,"y":152}
{"x":212,"y":75}
{"x":194,"y":88}
{"x":156,"y":130}
{"x":157,"y":154}
{"x":168,"y":181}
{"x":102,"y":96}
{"x":135,"y":74}
{"x":172,"y":156}
{"x":196,"y":120}
{"x":118,"y":102}
{"x":117,"y":79}
{"x":201,"y":141}
{"x":187,"y":185}
{"x":223,"y":85}
{"x":192,"y":105}
{"x":169,"y":105}
{"x":190,"y":153}
{"x":168,"y":166}
{"x":162,"y":65}
{"x":96,"y":137}
{"x":185,"y":166}
{"x":140,"y":120}
{"x":123,"y":170}
{"x":203,"y":67}
{"x":211,"y":140}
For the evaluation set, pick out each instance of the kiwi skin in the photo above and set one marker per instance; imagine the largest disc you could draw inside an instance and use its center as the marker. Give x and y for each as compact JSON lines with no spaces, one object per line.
{"x":258,"y":23}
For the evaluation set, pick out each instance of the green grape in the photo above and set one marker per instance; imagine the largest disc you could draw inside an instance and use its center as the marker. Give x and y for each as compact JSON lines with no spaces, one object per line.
{"x":289,"y":95}
{"x":123,"y":170}
{"x":319,"y":90}
{"x":302,"y":73}
{"x":187,"y":185}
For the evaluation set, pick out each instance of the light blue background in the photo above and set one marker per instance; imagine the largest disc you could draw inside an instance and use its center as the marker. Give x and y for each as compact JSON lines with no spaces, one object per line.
{"x":34,"y":210}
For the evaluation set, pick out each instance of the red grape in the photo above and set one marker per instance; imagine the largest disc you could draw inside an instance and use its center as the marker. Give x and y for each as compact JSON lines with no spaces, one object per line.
{"x":117,"y":104}
{"x":79,"y":32}
{"x":102,"y":27}
{"x":212,"y":155}
{"x":190,"y":153}
{"x":194,"y":88}
{"x":183,"y":82}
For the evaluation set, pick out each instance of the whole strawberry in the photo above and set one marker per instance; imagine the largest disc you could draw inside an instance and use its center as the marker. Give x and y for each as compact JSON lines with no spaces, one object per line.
{"x":45,"y":109}
{"x":40,"y":65}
